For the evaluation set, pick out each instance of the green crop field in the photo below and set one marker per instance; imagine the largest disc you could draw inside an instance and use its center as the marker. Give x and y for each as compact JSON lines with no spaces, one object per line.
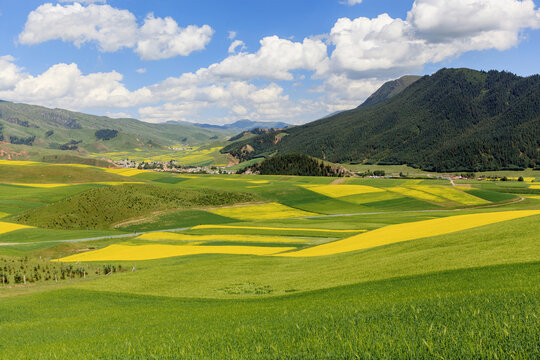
{"x":105,"y":264}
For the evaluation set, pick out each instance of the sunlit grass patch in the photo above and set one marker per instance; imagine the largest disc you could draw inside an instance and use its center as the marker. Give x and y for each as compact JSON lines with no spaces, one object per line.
{"x":157,"y":251}
{"x":411,"y":231}
{"x":452,"y":194}
{"x":417,"y":194}
{"x":220,"y":237}
{"x":271,"y":228}
{"x":336,"y":191}
{"x":9,"y":227}
{"x":261,"y":212}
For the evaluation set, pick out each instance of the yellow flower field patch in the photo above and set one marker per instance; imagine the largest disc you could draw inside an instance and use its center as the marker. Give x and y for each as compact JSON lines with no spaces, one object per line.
{"x":223,"y":237}
{"x":44,"y":186}
{"x":126,"y":172}
{"x":411,"y":231}
{"x":150,"y":252}
{"x":271,"y":228}
{"x":15,"y":162}
{"x":47,"y":186}
{"x":3,"y":215}
{"x":535,"y":187}
{"x":9,"y":227}
{"x":261,"y":212}
{"x":336,"y":191}
{"x":417,"y":194}
{"x":452,"y":194}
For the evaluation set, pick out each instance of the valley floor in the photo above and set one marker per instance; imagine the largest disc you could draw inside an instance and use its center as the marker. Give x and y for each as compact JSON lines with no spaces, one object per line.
{"x":286,"y":268}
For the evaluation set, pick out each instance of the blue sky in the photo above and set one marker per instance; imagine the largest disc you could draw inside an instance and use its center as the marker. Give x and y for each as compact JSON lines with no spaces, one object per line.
{"x":221,"y":61}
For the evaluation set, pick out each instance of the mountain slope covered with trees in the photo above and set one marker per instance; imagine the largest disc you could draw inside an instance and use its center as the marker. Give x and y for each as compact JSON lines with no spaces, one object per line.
{"x":453,"y":120}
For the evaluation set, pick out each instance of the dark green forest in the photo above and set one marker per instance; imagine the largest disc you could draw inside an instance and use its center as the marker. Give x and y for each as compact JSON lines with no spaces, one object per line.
{"x":294,"y":164}
{"x":453,"y":120}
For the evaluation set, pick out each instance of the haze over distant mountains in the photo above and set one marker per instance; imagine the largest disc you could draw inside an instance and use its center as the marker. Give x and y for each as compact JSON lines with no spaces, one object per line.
{"x":453,"y":120}
{"x":242,"y":125}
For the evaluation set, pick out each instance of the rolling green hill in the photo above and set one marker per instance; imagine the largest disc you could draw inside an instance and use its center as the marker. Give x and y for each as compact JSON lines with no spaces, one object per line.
{"x":453,"y":120}
{"x":24,"y":128}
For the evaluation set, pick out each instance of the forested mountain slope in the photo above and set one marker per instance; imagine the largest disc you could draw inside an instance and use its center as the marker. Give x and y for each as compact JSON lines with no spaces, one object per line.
{"x":453,"y":120}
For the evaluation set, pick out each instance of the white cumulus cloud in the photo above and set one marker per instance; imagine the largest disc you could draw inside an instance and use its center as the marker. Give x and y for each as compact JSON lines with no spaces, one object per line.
{"x":275,"y":59}
{"x":235,"y":45}
{"x":113,"y":29}
{"x":64,"y":85}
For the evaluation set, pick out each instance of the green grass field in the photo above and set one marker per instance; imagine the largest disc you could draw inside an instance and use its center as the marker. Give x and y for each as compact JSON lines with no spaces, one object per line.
{"x":473,"y":293}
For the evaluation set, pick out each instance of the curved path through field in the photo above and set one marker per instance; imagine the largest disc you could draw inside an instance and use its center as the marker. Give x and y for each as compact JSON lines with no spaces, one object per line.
{"x":121,"y":236}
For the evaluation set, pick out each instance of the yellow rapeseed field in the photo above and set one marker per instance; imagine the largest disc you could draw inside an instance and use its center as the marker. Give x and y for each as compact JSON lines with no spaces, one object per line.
{"x":451,"y":194}
{"x":45,"y":186}
{"x":15,"y":162}
{"x":336,"y":191}
{"x":3,"y":215}
{"x":157,"y":251}
{"x":535,"y":187}
{"x":219,"y":237}
{"x":9,"y":227}
{"x":272,"y":228}
{"x":411,"y":231}
{"x":126,"y":172}
{"x":417,"y":194}
{"x":261,"y":212}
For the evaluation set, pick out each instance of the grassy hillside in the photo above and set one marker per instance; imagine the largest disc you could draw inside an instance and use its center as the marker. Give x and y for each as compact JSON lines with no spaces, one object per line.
{"x":454,"y":120}
{"x":75,"y":133}
{"x":424,"y":268}
{"x":85,"y":211}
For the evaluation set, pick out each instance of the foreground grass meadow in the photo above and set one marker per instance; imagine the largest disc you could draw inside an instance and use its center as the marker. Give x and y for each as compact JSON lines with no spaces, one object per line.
{"x":114,"y":264}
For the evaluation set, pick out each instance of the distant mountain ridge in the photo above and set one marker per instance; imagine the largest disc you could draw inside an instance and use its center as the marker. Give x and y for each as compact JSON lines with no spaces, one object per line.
{"x":58,"y":129}
{"x":246,"y":125}
{"x":453,"y":120}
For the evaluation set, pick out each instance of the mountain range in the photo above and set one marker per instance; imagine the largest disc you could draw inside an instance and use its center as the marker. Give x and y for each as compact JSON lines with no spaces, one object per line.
{"x":244,"y":125}
{"x":453,"y":120}
{"x":60,"y":130}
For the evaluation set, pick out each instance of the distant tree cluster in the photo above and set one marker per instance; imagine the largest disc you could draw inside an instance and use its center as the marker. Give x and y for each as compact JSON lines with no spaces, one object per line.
{"x":295,"y":164}
{"x":22,"y":140}
{"x":72,"y":145}
{"x":106,"y":134}
{"x":23,"y":271}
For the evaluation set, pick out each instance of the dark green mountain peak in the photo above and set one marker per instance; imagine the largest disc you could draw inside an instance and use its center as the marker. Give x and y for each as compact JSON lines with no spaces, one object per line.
{"x":390,"y":89}
{"x":453,"y":120}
